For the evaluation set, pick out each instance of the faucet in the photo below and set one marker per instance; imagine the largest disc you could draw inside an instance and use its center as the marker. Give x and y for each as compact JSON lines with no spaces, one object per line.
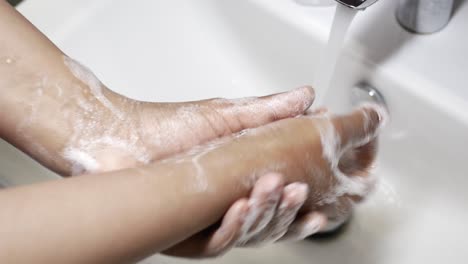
{"x":357,"y":4}
{"x":354,"y":4}
{"x":424,"y":16}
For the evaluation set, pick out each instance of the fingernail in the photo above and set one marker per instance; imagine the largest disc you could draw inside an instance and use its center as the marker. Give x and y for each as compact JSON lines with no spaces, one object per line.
{"x":304,"y":91}
{"x":298,"y":188}
{"x":310,"y":90}
{"x":300,"y":92}
{"x":303,"y":188}
{"x":273,"y":183}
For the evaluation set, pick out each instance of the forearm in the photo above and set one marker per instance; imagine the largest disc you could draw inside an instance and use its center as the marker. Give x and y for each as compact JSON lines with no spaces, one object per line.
{"x":59,"y":113}
{"x":122,"y":216}
{"x":42,"y":99}
{"x":125,"y":215}
{"x":117,"y":218}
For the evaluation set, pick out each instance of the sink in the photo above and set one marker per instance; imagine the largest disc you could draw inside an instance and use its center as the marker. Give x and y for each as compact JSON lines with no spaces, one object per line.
{"x":186,"y":50}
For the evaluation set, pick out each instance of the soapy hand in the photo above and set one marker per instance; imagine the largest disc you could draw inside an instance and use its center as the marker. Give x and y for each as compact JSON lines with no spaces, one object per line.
{"x":127,"y":133}
{"x":94,"y":129}
{"x":59,"y":113}
{"x":335,"y":172}
{"x":264,"y":217}
{"x":113,"y":132}
{"x":104,"y":131}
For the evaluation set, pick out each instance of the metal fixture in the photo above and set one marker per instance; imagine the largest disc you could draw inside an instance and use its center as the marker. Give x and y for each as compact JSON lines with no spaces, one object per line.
{"x":357,"y":4}
{"x":354,"y":4}
{"x":365,"y":93}
{"x":424,"y":16}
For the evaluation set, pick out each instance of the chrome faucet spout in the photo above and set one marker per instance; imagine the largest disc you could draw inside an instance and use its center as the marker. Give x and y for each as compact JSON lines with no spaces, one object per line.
{"x":357,"y":4}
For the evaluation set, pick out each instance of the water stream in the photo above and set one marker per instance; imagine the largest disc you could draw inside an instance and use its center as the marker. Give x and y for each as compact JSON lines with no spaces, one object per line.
{"x":341,"y":23}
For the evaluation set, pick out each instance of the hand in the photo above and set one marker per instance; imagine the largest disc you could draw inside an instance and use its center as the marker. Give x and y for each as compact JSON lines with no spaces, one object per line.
{"x":161,"y":130}
{"x":264,"y":217}
{"x":276,"y":213}
{"x":99,"y":130}
{"x":95,"y":130}
{"x":112,"y":132}
{"x":105,"y":131}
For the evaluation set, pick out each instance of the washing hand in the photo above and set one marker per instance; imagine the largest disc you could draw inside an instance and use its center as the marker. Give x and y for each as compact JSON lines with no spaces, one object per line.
{"x":57,"y":111}
{"x":334,"y":169}
{"x":161,"y":130}
{"x":102,"y":131}
{"x":97,"y":130}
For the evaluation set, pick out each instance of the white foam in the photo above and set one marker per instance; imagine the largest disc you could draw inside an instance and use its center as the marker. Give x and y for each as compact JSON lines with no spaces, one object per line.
{"x":201,"y":183}
{"x":81,"y":161}
{"x":308,"y":229}
{"x":249,"y":220}
{"x":347,"y":185}
{"x":59,"y":90}
{"x":287,"y":213}
{"x":86,"y":76}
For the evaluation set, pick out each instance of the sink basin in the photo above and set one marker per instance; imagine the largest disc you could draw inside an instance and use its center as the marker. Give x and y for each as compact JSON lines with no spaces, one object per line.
{"x":185,"y":50}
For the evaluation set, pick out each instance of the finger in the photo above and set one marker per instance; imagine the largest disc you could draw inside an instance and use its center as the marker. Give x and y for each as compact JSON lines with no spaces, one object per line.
{"x":220,"y":241}
{"x":240,"y":114}
{"x":294,"y":197}
{"x":321,"y":111}
{"x":361,"y":126}
{"x":262,"y":205}
{"x":338,"y":212}
{"x":230,"y":231}
{"x":306,"y":226}
{"x":358,"y":161}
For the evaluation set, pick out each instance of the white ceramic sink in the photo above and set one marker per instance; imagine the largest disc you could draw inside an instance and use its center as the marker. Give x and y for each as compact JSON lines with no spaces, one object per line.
{"x":184,"y":50}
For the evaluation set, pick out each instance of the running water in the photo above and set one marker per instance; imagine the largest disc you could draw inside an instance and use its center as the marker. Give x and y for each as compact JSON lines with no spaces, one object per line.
{"x":341,"y":22}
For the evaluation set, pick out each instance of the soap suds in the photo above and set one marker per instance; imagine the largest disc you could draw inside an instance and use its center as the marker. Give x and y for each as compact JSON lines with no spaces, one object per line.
{"x":93,"y":139}
{"x":383,"y":117}
{"x":347,"y":185}
{"x":59,"y":90}
{"x":33,"y":103}
{"x":195,"y":156}
{"x":201,"y":181}
{"x":331,"y":147}
{"x":81,"y":151}
{"x":248,"y":223}
{"x":81,"y":161}
{"x":268,"y":214}
{"x":285,"y":214}
{"x":308,"y":229}
{"x":85,"y":75}
{"x":7,"y":60}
